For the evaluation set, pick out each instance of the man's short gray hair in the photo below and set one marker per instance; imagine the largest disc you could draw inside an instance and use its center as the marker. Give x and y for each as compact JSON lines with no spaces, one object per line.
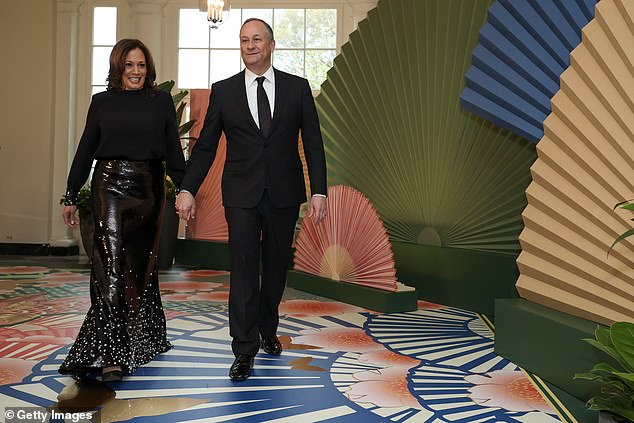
{"x":269,"y":30}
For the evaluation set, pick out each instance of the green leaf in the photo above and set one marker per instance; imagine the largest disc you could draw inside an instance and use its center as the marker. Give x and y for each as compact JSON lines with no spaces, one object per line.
{"x":621,"y":238}
{"x":626,"y":376}
{"x":177,"y":98}
{"x":184,"y":128}
{"x":603,"y":337}
{"x":622,"y":335}
{"x":587,"y":376}
{"x":620,"y":407}
{"x":627,"y":204}
{"x":166,"y":86}
{"x":606,"y":349}
{"x":604,"y":368}
{"x":179,"y":113}
{"x":613,"y":386}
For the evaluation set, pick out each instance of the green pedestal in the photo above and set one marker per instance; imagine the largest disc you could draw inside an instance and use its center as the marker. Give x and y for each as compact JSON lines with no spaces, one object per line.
{"x":201,"y":253}
{"x":466,"y":279}
{"x":459,"y":278}
{"x":359,"y":295}
{"x":550,"y":344}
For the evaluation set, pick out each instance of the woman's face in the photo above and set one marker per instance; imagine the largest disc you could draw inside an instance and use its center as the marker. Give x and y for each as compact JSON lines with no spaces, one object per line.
{"x":134,"y":70}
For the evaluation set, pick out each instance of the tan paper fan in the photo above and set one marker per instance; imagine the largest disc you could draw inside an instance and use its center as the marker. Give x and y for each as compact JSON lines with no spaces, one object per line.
{"x":350,"y":245}
{"x":210,"y":223}
{"x":586,"y":166}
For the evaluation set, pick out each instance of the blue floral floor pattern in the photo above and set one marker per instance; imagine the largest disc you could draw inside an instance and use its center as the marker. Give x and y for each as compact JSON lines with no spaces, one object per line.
{"x":340,"y":363}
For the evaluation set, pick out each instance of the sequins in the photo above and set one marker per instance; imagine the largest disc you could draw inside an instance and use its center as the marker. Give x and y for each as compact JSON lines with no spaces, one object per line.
{"x":125,"y":325}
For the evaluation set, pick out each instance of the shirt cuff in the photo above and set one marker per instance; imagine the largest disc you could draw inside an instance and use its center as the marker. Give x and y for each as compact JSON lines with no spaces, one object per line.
{"x":319,"y":195}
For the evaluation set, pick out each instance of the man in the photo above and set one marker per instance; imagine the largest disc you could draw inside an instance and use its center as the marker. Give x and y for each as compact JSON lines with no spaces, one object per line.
{"x":261,"y":110}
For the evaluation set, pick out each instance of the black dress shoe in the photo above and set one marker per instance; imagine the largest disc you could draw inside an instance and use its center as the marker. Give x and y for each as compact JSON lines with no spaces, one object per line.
{"x":241,"y":367}
{"x":112,"y":376}
{"x":271,"y":345}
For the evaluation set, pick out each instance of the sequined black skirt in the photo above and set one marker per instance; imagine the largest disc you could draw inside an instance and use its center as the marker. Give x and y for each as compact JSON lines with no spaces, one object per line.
{"x":125,"y":325}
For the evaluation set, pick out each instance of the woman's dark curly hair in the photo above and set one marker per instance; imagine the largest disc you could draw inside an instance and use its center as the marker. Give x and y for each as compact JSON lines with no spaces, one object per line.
{"x":117,"y":65}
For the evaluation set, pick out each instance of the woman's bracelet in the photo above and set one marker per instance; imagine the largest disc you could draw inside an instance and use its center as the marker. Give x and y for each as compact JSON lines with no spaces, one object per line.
{"x":69,"y":199}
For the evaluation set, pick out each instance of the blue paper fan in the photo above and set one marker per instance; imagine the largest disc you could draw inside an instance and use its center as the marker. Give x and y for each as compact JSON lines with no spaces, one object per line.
{"x":523,"y":49}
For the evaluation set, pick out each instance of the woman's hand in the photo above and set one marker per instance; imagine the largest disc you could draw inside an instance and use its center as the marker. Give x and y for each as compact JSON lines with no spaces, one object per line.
{"x":185,"y":205}
{"x":70,"y":216}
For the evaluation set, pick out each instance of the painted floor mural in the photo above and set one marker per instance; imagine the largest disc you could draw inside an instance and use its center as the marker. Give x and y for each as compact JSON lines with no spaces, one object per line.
{"x":340,"y":363}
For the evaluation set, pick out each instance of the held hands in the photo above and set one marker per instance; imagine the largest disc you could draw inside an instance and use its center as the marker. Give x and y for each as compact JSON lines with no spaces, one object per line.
{"x":317,"y":209}
{"x":185,"y":205}
{"x":70,"y":216}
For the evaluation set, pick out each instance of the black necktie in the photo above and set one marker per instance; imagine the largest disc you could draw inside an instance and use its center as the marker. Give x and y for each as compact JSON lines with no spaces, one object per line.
{"x":264,"y":108}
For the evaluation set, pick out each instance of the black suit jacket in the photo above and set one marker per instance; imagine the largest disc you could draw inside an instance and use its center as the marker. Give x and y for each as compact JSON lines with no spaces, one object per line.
{"x":254,"y":161}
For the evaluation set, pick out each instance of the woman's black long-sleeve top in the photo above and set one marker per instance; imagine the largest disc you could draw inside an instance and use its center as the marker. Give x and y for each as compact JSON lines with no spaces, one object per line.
{"x":127,"y":125}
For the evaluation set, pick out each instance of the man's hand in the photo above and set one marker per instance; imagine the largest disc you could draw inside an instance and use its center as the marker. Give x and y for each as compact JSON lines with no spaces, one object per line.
{"x":185,"y":205}
{"x":317,"y":208}
{"x":70,"y":216}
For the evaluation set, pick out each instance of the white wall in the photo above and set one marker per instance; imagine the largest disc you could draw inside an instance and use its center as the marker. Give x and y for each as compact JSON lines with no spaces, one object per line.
{"x":45,"y":46}
{"x":27,"y":72}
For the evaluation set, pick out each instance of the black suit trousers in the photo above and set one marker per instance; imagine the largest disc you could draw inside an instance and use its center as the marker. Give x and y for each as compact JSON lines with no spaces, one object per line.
{"x":253,"y":304}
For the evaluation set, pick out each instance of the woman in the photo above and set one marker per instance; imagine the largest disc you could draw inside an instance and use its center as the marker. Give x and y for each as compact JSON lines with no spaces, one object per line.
{"x":130,"y":130}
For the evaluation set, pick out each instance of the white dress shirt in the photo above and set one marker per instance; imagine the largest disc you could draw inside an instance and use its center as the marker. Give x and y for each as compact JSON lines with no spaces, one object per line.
{"x":252,"y":91}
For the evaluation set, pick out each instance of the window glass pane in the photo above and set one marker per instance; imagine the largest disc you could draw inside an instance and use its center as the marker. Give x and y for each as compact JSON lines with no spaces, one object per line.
{"x":193,"y":30}
{"x":265,"y":14}
{"x":291,"y":61}
{"x":193,"y":68}
{"x":104,"y":30}
{"x":289,"y":28}
{"x":318,"y":62}
{"x":100,"y":64}
{"x":321,"y":28}
{"x":224,"y":63}
{"x":98,"y":88}
{"x":227,"y":35}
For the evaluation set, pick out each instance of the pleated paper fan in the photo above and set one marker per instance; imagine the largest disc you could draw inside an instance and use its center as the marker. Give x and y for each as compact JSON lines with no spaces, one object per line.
{"x":524,"y":47}
{"x":585,"y":167}
{"x":349,"y":245}
{"x":210,"y":223}
{"x":394,"y":129}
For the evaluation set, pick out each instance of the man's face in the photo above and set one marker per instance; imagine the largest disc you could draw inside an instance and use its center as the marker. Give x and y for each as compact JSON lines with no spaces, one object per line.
{"x":256,"y":46}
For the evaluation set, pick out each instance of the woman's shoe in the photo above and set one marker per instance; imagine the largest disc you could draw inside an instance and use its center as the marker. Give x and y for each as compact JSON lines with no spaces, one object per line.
{"x":114,"y":375}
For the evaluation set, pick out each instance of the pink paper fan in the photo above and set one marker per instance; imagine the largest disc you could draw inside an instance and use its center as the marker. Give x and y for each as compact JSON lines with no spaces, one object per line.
{"x":210,"y":220}
{"x":350,"y":245}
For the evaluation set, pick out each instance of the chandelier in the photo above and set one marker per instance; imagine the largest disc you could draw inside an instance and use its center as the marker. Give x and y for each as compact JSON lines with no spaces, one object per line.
{"x":217,"y":11}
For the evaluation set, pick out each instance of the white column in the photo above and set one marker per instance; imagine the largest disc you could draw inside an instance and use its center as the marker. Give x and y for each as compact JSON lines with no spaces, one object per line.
{"x":358,"y":10}
{"x":147,"y":26}
{"x":64,"y":135}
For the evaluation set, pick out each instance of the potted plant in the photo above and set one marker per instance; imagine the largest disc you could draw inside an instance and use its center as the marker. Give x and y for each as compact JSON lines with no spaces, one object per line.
{"x":616,"y":400}
{"x":169,"y":228}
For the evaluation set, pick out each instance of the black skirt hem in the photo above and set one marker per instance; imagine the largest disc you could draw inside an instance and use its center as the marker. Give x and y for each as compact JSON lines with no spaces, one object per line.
{"x":78,"y":369}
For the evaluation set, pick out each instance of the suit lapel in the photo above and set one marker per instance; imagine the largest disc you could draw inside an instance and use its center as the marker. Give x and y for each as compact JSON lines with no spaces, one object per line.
{"x":241,"y":94}
{"x":281,"y":89}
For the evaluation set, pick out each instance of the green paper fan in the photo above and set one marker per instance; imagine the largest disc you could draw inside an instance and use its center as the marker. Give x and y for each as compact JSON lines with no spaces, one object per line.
{"x":394,"y":129}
